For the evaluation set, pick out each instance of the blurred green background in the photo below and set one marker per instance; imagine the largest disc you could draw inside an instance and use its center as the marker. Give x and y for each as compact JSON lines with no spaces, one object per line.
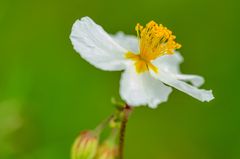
{"x":48,"y":93}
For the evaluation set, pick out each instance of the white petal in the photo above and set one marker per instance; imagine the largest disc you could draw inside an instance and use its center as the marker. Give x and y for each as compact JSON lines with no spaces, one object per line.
{"x":96,"y":46}
{"x":195,"y":80}
{"x":169,"y":63}
{"x":170,"y":79}
{"x":129,"y":42}
{"x":142,"y":89}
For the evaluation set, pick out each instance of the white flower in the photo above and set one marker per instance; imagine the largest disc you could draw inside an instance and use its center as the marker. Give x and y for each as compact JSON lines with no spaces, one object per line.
{"x":149,"y":61}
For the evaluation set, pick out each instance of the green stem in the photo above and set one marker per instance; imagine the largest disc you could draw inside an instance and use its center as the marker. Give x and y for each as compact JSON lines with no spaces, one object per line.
{"x":103,"y":124}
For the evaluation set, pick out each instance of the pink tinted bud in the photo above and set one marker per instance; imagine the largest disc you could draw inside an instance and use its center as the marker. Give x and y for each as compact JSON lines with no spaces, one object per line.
{"x":85,"y":146}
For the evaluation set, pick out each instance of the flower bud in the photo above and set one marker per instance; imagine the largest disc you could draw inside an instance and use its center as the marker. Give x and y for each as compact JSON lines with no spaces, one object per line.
{"x":107,"y":150}
{"x":85,"y":146}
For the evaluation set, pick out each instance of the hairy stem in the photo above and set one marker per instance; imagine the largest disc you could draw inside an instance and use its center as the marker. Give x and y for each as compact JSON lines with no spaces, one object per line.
{"x":126,"y":113}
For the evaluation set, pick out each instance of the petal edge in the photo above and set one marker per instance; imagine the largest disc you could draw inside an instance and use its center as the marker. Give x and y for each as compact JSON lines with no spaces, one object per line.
{"x":169,"y":79}
{"x":96,"y":46}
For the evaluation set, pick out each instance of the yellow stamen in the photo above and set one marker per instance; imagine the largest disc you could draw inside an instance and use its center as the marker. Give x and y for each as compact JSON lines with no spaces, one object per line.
{"x":154,"y":41}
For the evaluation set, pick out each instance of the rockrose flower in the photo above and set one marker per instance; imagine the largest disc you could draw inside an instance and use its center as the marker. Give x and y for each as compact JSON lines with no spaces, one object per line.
{"x":149,"y":61}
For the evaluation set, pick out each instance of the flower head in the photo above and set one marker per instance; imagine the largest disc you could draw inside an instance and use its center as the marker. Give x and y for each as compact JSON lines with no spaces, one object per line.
{"x":149,"y":61}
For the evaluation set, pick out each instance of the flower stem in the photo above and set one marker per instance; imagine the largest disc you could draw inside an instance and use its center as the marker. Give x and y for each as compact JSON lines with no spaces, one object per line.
{"x":126,"y":113}
{"x":103,"y":124}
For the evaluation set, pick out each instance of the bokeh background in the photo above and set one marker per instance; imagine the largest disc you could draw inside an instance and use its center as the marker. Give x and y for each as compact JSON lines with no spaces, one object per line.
{"x":48,"y":93}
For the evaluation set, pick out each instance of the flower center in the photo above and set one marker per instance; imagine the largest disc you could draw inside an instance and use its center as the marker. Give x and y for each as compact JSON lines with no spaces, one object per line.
{"x":154,"y":41}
